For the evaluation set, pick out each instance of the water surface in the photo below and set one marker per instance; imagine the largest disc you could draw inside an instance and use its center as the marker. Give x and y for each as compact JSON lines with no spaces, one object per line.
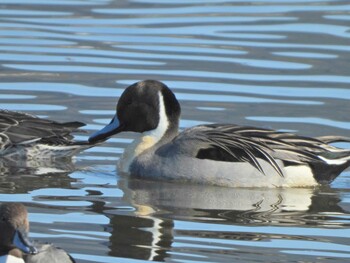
{"x":274,"y":64}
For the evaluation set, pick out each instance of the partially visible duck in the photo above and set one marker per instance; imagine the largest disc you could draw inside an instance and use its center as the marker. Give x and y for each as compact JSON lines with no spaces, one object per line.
{"x":14,"y":244}
{"x":25,"y":135}
{"x":217,"y":154}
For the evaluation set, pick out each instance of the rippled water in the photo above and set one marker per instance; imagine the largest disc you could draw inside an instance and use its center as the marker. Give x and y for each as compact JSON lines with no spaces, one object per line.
{"x":269,"y":63}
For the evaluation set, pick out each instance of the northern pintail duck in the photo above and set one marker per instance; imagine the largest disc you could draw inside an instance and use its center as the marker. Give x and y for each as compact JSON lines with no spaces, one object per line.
{"x":14,"y":244}
{"x":217,"y":154}
{"x":25,"y":135}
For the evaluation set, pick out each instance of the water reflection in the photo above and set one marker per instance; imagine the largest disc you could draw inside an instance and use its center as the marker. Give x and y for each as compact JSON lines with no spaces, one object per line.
{"x":232,"y":9}
{"x":22,"y":180}
{"x":161,"y":221}
{"x":167,"y":214}
{"x":140,"y":237}
{"x":14,"y":163}
{"x":239,"y":205}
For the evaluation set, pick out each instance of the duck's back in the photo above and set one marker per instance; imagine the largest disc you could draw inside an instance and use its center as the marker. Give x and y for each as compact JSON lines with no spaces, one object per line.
{"x":25,"y":134}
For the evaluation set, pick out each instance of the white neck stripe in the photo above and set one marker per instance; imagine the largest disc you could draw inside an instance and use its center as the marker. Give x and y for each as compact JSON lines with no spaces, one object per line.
{"x":163,"y":123}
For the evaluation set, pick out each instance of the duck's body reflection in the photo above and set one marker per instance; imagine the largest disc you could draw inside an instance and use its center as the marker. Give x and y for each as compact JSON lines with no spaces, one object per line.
{"x":159,"y":206}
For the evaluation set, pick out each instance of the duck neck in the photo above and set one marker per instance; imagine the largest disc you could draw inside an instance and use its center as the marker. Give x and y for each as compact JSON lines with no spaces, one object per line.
{"x":170,"y":134}
{"x":146,"y":141}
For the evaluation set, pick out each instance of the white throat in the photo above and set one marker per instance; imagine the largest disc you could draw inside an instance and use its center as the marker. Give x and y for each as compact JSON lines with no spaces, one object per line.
{"x":147,"y":139}
{"x":10,"y":259}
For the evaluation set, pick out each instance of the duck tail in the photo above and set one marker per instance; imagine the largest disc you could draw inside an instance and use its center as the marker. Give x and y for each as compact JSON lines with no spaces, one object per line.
{"x":334,"y":160}
{"x":334,"y":163}
{"x":333,"y":155}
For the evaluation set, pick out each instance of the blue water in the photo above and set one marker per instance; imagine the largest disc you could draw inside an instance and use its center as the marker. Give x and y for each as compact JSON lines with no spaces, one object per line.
{"x":273,"y":64}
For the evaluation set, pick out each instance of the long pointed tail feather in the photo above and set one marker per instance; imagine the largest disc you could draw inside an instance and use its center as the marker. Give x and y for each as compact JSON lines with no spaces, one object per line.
{"x":332,"y":139}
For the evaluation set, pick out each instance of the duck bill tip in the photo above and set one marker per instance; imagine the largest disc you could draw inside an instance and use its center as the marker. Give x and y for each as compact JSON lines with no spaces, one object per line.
{"x":110,"y":129}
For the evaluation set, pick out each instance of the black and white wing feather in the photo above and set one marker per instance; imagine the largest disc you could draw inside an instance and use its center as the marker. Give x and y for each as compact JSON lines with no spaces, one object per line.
{"x":232,"y":143}
{"x":17,"y":128}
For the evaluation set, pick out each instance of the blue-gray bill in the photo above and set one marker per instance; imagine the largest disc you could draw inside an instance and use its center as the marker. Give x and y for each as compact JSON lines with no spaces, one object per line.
{"x":106,"y":132}
{"x":22,"y":242}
